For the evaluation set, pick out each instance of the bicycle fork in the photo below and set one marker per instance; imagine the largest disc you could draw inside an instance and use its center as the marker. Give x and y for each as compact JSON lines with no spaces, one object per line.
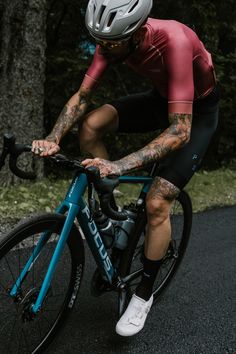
{"x":44,"y":237}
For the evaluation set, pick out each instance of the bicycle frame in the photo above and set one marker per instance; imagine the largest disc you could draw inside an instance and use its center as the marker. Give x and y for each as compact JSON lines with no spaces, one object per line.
{"x":76,"y":207}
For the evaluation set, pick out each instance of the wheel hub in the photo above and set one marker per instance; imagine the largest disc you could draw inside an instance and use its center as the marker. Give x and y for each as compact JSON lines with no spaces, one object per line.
{"x":26,"y":305}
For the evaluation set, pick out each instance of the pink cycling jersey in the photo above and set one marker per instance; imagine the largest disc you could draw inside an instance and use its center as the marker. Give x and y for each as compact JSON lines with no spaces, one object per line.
{"x":173,"y":58}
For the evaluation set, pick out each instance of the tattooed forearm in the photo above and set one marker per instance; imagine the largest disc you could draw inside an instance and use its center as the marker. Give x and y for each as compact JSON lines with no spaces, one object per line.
{"x":173,"y":138}
{"x":71,"y":113}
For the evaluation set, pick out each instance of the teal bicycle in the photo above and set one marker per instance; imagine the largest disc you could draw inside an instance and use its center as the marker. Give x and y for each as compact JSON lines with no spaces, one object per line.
{"x":42,"y":258}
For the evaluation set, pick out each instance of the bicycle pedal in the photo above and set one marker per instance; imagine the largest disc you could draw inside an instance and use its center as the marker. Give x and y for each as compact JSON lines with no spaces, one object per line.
{"x":99,"y":286}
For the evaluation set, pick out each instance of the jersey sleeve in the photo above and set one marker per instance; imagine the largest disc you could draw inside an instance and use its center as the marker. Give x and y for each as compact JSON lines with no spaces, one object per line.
{"x":179,"y":66}
{"x":95,"y":71}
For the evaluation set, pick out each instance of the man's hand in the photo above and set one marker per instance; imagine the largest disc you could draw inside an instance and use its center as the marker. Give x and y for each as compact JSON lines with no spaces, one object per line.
{"x":106,"y":167}
{"x":44,"y":147}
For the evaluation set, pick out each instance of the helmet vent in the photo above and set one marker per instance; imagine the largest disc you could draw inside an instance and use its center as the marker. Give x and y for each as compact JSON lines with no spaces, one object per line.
{"x":111,"y":18}
{"x":101,"y":13}
{"x":133,"y":7}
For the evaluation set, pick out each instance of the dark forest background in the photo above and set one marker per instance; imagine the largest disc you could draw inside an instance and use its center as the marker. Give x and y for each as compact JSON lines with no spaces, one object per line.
{"x":44,"y":45}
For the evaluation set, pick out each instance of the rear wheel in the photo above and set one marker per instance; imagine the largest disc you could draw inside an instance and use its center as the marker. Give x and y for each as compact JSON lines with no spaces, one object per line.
{"x":131,"y":264}
{"x":20,"y":332}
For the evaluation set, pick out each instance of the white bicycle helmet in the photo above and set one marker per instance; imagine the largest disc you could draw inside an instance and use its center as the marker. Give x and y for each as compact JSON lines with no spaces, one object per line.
{"x":116,"y":19}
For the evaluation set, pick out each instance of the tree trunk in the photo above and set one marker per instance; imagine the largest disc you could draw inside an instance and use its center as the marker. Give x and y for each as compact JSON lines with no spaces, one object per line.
{"x":22,"y":75}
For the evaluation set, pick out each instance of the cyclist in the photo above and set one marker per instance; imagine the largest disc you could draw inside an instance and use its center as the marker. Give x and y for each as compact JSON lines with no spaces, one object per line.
{"x":183,"y":102}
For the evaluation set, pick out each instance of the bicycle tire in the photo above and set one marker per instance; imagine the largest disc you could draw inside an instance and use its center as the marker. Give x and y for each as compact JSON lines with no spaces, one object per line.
{"x":36,"y":334}
{"x":133,"y":252}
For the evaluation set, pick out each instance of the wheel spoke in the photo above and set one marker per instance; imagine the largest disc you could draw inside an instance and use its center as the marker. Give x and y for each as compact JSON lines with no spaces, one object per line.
{"x":13,"y":326}
{"x":3,"y":294}
{"x":13,"y":277}
{"x":26,"y":340}
{"x":45,"y":318}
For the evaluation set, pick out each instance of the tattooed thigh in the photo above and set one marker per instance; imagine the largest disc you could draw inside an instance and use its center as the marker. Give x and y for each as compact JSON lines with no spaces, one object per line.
{"x":163,"y":189}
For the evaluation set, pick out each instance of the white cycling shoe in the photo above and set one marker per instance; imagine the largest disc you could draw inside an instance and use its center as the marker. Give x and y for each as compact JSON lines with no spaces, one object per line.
{"x":133,"y":319}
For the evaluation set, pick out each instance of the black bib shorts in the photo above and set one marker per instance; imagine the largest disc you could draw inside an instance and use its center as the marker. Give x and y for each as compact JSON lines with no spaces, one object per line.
{"x":146,"y":112}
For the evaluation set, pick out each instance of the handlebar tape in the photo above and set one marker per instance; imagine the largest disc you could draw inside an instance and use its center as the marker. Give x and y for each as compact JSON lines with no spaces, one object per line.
{"x":104,"y":188}
{"x":15,"y":150}
{"x":18,"y":150}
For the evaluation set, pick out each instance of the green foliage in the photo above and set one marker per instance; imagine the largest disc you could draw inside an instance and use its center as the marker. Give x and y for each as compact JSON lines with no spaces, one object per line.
{"x":207,"y":189}
{"x":31,"y":197}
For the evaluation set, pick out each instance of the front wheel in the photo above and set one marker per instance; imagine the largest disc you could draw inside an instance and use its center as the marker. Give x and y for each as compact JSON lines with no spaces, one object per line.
{"x":20,"y":332}
{"x":131,"y":264}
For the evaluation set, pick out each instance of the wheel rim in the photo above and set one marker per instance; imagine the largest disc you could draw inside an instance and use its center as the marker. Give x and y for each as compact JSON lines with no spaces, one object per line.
{"x":19,"y":331}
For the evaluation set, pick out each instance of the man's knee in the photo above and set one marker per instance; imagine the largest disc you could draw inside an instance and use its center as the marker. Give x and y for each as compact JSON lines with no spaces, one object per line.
{"x":87,"y":131}
{"x":160,"y":200}
{"x":97,"y":123}
{"x":104,"y":118}
{"x":158,"y":210}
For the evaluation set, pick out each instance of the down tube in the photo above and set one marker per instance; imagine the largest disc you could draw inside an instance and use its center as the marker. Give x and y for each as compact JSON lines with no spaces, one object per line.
{"x":95,"y":242}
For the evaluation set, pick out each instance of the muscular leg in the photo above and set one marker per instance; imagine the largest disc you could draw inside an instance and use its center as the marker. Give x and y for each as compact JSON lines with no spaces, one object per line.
{"x":159,"y":201}
{"x":95,"y":124}
{"x":158,"y":204}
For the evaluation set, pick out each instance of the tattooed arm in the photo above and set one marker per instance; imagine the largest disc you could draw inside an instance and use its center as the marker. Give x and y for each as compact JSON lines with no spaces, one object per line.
{"x":173,"y":138}
{"x":71,"y":113}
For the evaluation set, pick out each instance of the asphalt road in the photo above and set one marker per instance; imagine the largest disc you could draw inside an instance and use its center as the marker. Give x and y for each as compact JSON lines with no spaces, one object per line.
{"x":197,"y":314}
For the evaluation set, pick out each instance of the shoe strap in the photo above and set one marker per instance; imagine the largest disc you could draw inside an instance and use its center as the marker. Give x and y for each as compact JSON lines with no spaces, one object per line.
{"x":136,"y":319}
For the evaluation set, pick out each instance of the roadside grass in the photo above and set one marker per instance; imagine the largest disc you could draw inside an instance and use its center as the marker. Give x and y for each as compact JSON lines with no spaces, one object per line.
{"x":208,"y":189}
